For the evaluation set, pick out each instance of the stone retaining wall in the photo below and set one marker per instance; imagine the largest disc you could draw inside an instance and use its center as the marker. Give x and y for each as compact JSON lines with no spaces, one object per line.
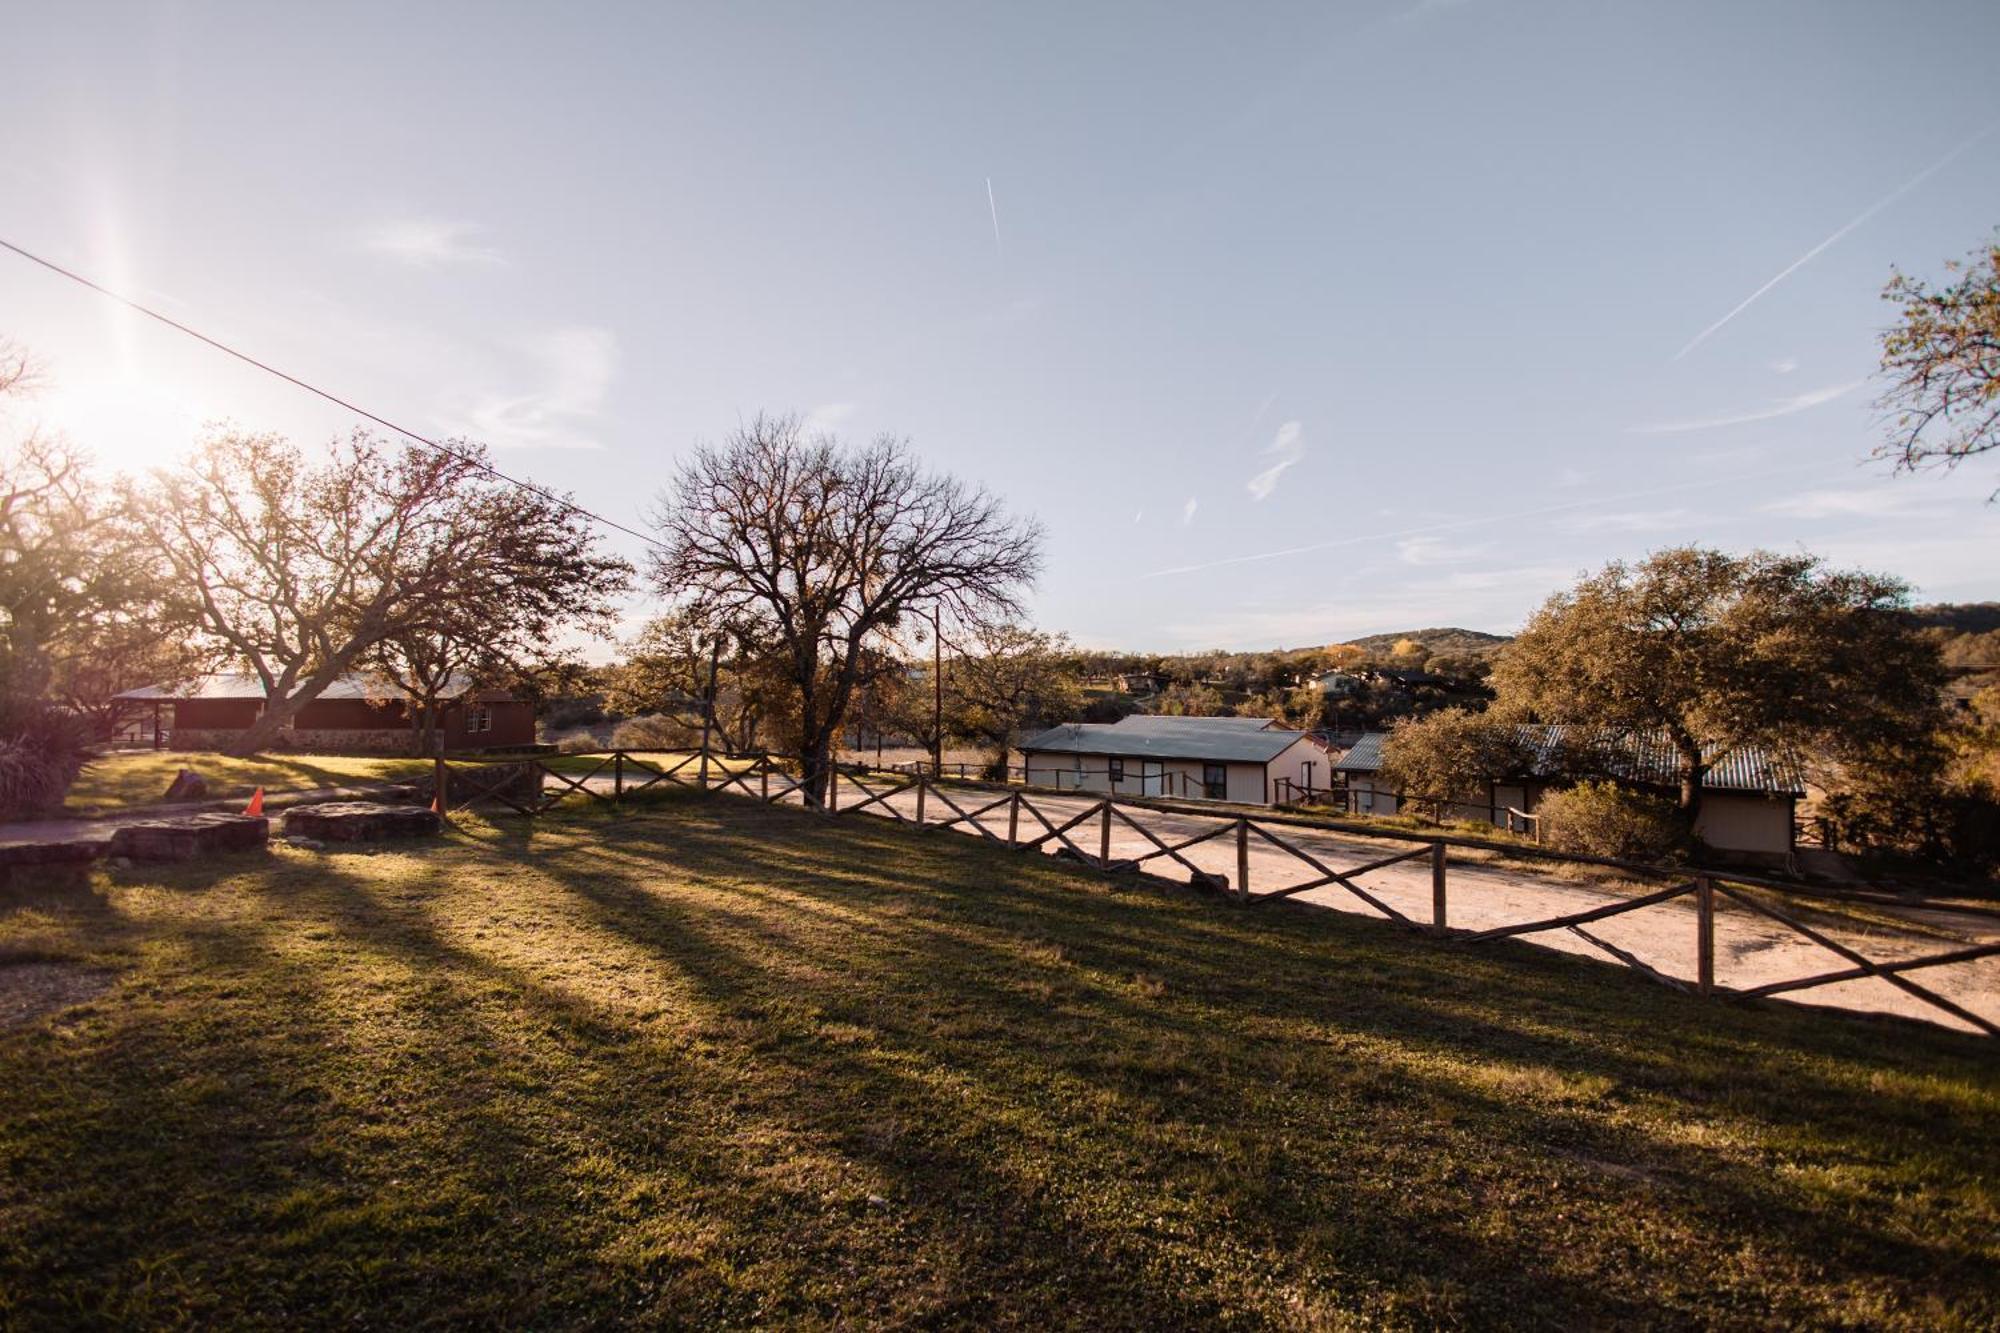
{"x":359,"y":740}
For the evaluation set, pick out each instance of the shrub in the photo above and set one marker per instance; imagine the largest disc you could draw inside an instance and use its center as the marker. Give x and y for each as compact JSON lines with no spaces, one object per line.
{"x":656,"y":731}
{"x":579,"y":742}
{"x":573,"y":711}
{"x":1604,"y":819}
{"x":1451,"y":756}
{"x":42,"y":749}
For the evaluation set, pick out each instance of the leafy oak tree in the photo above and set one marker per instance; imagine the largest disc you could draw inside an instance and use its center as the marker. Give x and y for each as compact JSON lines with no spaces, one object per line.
{"x":1718,"y":651}
{"x":826,"y":552}
{"x":1943,"y":360}
{"x":1011,"y":677}
{"x":80,"y":606}
{"x":1450,"y":756}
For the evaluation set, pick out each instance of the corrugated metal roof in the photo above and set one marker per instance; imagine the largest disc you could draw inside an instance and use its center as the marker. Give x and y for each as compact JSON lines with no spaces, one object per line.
{"x":1636,"y":756}
{"x":354,"y":685}
{"x":1364,"y":756}
{"x":1222,"y":739}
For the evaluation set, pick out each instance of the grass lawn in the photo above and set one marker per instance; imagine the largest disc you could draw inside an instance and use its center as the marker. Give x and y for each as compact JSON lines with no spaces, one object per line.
{"x":140,"y":777}
{"x":714,"y":1063}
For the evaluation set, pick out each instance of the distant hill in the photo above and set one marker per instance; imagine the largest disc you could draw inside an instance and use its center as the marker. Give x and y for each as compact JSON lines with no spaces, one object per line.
{"x":1470,"y":642}
{"x":1959,"y":617}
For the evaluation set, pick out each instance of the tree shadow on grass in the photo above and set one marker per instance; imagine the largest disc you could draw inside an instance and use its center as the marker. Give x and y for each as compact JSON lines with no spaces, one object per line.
{"x":1511,"y":1026}
{"x":602,"y":1069}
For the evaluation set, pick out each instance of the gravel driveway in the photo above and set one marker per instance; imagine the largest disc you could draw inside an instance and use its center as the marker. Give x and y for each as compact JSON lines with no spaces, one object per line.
{"x":1750,"y":950}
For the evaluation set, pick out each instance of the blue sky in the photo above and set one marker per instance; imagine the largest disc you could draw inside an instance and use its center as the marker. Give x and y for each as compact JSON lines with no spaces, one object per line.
{"x":1291,"y":323}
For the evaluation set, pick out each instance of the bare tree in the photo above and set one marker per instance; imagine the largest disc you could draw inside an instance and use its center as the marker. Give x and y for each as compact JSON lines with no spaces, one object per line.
{"x":1943,"y":359}
{"x":827,"y":551}
{"x":303,"y":570}
{"x":533,"y":573}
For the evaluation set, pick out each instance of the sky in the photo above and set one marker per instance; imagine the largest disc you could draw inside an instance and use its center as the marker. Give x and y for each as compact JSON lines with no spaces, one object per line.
{"x":1290,"y":323}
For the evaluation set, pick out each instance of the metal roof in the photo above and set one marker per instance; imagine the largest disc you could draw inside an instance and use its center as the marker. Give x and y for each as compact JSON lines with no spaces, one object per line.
{"x":237,"y":685}
{"x":1251,"y":740}
{"x":1635,"y":755}
{"x":1364,"y":756}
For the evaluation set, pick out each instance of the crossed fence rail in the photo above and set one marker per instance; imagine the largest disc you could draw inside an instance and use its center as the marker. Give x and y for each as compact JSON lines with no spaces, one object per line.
{"x":611,"y":777}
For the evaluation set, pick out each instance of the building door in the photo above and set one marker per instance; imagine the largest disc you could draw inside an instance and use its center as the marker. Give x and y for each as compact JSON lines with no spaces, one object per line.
{"x":1215,"y":781}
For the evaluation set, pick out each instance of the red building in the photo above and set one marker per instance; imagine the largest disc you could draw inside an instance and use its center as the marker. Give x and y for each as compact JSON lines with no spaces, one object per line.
{"x":356,"y":714}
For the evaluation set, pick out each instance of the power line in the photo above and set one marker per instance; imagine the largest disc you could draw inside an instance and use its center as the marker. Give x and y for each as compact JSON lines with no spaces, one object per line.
{"x":335,"y":399}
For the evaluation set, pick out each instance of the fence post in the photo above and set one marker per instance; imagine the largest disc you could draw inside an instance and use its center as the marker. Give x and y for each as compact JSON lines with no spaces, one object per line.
{"x":617,"y":775}
{"x":1437,"y":886}
{"x":920,"y":798}
{"x":704,"y":761}
{"x":1014,"y":820}
{"x":833,"y":788}
{"x":1704,"y":906}
{"x":1104,"y":839}
{"x":440,"y":786}
{"x":1243,"y":860}
{"x":764,"y":769}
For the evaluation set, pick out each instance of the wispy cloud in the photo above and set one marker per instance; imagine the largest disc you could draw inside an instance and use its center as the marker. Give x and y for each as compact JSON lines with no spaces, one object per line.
{"x":1455,"y":525}
{"x":1877,"y":501}
{"x":1785,"y":365}
{"x":829,"y":417}
{"x":1136,"y":517}
{"x":1827,"y":244}
{"x":577,"y":366}
{"x":1631,"y":520}
{"x":429,"y":242}
{"x":1286,"y":449}
{"x":1187,"y":510}
{"x":1784,"y":407}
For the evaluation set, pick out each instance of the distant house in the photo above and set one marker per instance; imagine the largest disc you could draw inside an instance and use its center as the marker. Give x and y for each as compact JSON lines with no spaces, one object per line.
{"x":1240,"y":759}
{"x":1339,"y":683}
{"x":1139,"y":684}
{"x":357,"y":713}
{"x":1748,"y":798}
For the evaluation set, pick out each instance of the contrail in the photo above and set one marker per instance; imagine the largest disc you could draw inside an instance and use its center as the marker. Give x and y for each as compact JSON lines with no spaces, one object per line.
{"x":994,"y":209}
{"x":1814,"y":253}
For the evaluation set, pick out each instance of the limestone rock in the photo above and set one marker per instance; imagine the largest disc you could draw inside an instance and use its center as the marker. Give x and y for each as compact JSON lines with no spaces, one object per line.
{"x":187,"y":785}
{"x":62,"y":863}
{"x":186,"y":838}
{"x":361,"y":821}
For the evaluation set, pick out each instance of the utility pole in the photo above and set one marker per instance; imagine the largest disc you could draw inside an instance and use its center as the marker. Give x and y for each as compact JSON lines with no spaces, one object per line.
{"x":937,"y":695}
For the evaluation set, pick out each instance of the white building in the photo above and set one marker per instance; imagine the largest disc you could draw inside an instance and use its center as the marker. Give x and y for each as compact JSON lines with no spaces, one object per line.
{"x":1241,"y":759}
{"x":1747,"y":800}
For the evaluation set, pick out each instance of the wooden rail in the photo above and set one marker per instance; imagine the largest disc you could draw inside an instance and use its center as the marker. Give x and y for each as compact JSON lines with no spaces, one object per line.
{"x":854,"y":789}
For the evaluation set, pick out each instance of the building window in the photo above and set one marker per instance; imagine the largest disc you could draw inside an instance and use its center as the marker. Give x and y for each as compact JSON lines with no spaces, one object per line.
{"x":479,"y":718}
{"x":1215,"y":781}
{"x":1117,"y":770}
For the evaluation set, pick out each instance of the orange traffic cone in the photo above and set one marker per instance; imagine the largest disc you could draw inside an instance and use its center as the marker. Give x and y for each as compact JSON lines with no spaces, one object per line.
{"x":256,"y":806}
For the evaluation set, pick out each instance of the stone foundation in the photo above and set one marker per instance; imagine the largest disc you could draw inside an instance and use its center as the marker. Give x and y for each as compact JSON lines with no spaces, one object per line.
{"x":358,"y":740}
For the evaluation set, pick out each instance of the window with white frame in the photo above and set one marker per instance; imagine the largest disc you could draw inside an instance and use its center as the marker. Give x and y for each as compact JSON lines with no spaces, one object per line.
{"x":478,"y":718}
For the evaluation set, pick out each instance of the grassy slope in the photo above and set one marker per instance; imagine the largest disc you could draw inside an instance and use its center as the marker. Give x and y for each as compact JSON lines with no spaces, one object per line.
{"x":719,"y":1063}
{"x":139,"y":777}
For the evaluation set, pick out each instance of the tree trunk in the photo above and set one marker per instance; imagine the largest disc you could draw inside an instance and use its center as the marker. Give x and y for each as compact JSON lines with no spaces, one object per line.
{"x":258,"y":736}
{"x":1693,"y":771}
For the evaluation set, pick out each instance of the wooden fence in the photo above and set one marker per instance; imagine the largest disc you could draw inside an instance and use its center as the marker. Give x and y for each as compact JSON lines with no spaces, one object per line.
{"x":1085,"y":836}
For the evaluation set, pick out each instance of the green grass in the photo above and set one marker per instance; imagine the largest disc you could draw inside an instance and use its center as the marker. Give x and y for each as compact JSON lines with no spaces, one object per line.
{"x":714,"y":1063}
{"x":140,"y":777}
